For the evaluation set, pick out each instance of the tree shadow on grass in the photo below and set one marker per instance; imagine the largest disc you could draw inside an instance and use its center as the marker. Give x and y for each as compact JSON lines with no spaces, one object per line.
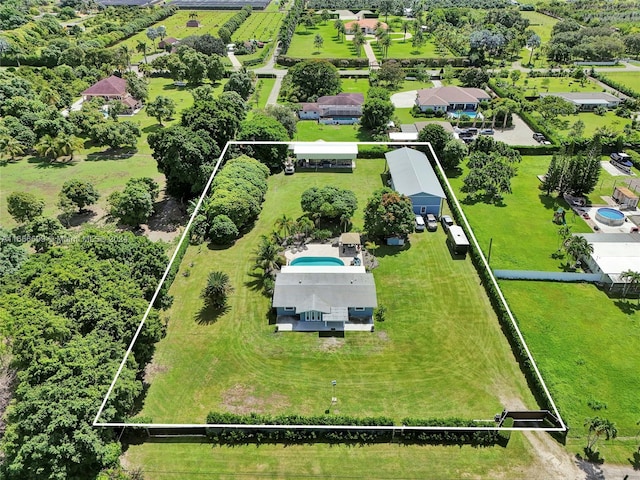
{"x":77,"y":218}
{"x":111,"y":154}
{"x":591,"y":456}
{"x":550,"y":202}
{"x":635,"y":460}
{"x":209,"y":314}
{"x":391,"y":250}
{"x":627,"y":307}
{"x":152,"y":128}
{"x":488,"y":199}
{"x":47,"y":163}
{"x":453,"y":172}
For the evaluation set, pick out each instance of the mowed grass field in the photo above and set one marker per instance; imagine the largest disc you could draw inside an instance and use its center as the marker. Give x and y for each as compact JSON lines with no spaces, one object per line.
{"x":333,"y":47}
{"x":628,"y":79}
{"x":587,"y":350}
{"x":401,"y":48}
{"x":439,"y":353}
{"x":262,"y":26}
{"x":526,"y":215}
{"x":535,"y":85}
{"x":195,"y":461}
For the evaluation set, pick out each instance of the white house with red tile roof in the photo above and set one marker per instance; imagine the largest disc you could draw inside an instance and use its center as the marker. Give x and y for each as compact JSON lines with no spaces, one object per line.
{"x":448,"y":99}
{"x":113,"y":88}
{"x":341,"y":109}
{"x":367,"y":25}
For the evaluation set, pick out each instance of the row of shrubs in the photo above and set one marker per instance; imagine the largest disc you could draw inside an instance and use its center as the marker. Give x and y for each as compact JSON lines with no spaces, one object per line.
{"x":444,"y":436}
{"x":289,"y":24}
{"x":407,"y":63}
{"x":286,"y":61}
{"x":617,"y":85}
{"x":235,"y":22}
{"x":235,"y":201}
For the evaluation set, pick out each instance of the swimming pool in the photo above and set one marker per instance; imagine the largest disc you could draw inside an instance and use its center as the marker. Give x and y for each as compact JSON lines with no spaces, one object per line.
{"x":610,"y":216}
{"x":317,"y":262}
{"x":470,"y":113}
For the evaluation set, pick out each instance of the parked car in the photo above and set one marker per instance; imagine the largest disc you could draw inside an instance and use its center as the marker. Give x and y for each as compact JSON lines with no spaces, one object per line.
{"x":620,"y":157}
{"x":446,"y":221}
{"x":538,"y":137}
{"x":432,"y":223}
{"x":487,"y":131}
{"x":289,"y":169}
{"x":419,"y":223}
{"x":472,"y":130}
{"x":465,"y":134}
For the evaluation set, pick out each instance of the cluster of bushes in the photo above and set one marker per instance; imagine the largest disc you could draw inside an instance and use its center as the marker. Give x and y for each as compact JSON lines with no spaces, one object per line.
{"x":233,"y":24}
{"x":286,"y":61}
{"x":289,"y":24}
{"x":617,"y":85}
{"x":235,"y":202}
{"x":443,"y":436}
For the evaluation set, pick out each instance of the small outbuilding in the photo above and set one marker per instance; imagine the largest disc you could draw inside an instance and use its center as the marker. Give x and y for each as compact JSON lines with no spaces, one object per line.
{"x":412,"y":175}
{"x":168,"y":42}
{"x":625,"y":198}
{"x":325,"y":154}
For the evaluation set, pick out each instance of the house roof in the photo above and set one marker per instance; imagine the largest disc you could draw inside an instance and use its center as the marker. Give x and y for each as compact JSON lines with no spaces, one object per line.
{"x":323,"y":150}
{"x":586,"y":98}
{"x":111,"y":86}
{"x":342,"y":99}
{"x":170,"y":40}
{"x":322,"y":291}
{"x":308,"y":107}
{"x":130,"y":101}
{"x":442,"y":96}
{"x":615,"y":253}
{"x":369,"y":23}
{"x":412,"y":173}
{"x":626,"y":192}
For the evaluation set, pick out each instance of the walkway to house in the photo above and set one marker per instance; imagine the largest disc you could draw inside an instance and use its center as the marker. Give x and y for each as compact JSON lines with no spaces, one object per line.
{"x":234,"y":61}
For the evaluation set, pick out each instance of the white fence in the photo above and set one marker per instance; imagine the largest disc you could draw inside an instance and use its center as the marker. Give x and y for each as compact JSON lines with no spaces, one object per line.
{"x":552,"y":276}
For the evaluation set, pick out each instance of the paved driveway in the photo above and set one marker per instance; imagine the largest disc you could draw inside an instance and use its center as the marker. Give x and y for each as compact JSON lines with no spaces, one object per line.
{"x":520,"y":134}
{"x":404,"y":99}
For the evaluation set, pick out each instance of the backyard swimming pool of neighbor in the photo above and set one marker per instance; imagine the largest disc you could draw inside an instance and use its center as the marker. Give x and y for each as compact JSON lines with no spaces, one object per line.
{"x":317,"y":262}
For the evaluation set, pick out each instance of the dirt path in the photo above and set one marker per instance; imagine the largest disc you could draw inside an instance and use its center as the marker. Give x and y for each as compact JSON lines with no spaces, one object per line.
{"x":553,"y":460}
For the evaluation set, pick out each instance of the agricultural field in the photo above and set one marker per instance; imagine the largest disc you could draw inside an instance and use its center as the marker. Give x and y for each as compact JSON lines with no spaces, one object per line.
{"x":540,"y":23}
{"x":302,"y":43}
{"x":262,"y":26}
{"x":419,"y":365}
{"x":176,"y":25}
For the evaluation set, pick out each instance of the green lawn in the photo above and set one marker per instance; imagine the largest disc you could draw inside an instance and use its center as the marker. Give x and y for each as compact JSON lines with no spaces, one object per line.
{"x":311,"y":130}
{"x":401,"y":48}
{"x":540,"y":23}
{"x":193,"y":461}
{"x":527,"y":214}
{"x":302,"y":43}
{"x":587,"y":350}
{"x":263,"y":89}
{"x":536,"y":85}
{"x":628,"y":79}
{"x":440,"y":353}
{"x":593,"y":122}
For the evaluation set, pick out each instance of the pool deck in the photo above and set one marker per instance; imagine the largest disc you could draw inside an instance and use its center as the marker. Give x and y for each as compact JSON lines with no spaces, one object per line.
{"x":319,"y":250}
{"x":592,"y":222}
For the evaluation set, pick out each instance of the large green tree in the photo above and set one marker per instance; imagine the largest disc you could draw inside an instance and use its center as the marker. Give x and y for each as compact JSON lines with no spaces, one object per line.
{"x":436,"y":135}
{"x":217,"y":289}
{"x":161,"y":108}
{"x":185,"y":157}
{"x":265,"y":128}
{"x":240,"y":82}
{"x":329,"y":203}
{"x":388,"y":213}
{"x":308,"y":80}
{"x":376,"y":114}
{"x":134,"y":205}
{"x":80,"y":193}
{"x":24,"y":206}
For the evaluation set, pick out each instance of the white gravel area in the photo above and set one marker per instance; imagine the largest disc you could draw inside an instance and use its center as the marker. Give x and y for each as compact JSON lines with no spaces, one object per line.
{"x":404,"y":99}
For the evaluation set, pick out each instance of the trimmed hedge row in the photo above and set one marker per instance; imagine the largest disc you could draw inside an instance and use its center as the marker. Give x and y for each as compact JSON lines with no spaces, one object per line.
{"x":286,"y":61}
{"x":231,"y":436}
{"x":406,"y":63}
{"x":289,"y":24}
{"x":238,"y":19}
{"x":618,"y":86}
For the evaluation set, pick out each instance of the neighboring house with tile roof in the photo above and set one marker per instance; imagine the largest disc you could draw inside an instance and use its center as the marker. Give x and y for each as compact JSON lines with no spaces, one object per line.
{"x":368,"y":26}
{"x":450,"y":99}
{"x":342,"y":109}
{"x":113,"y":88}
{"x":587,"y":101}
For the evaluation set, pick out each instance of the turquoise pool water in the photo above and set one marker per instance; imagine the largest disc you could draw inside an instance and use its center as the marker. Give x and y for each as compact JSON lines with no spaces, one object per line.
{"x":317,"y":262}
{"x":470,"y":114}
{"x":610,"y":216}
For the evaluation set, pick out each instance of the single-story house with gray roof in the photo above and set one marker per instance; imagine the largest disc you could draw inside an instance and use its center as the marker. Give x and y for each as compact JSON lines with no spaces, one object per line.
{"x":324,"y":298}
{"x":412,"y":175}
{"x":587,"y":101}
{"x":453,"y":98}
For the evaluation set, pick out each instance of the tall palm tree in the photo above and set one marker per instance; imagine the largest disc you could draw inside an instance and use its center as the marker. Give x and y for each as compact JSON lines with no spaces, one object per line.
{"x":406,"y":24}
{"x":358,"y":41}
{"x":11,"y":147}
{"x":284,"y":225}
{"x":385,"y":41}
{"x":217,"y":288}
{"x":577,"y":247}
{"x":632,"y":280}
{"x":267,"y":256}
{"x":339,"y":26}
{"x":141,"y":47}
{"x":124,"y":57}
{"x":48,"y":147}
{"x":598,"y":427}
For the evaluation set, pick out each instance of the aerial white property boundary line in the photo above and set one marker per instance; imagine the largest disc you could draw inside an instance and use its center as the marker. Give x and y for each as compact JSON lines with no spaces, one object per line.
{"x":98,"y":423}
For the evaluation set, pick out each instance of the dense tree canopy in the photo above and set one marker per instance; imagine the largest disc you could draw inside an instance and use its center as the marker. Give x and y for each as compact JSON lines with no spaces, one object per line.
{"x":308,"y":80}
{"x":329,"y":203}
{"x":265,"y":128}
{"x":80,"y":193}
